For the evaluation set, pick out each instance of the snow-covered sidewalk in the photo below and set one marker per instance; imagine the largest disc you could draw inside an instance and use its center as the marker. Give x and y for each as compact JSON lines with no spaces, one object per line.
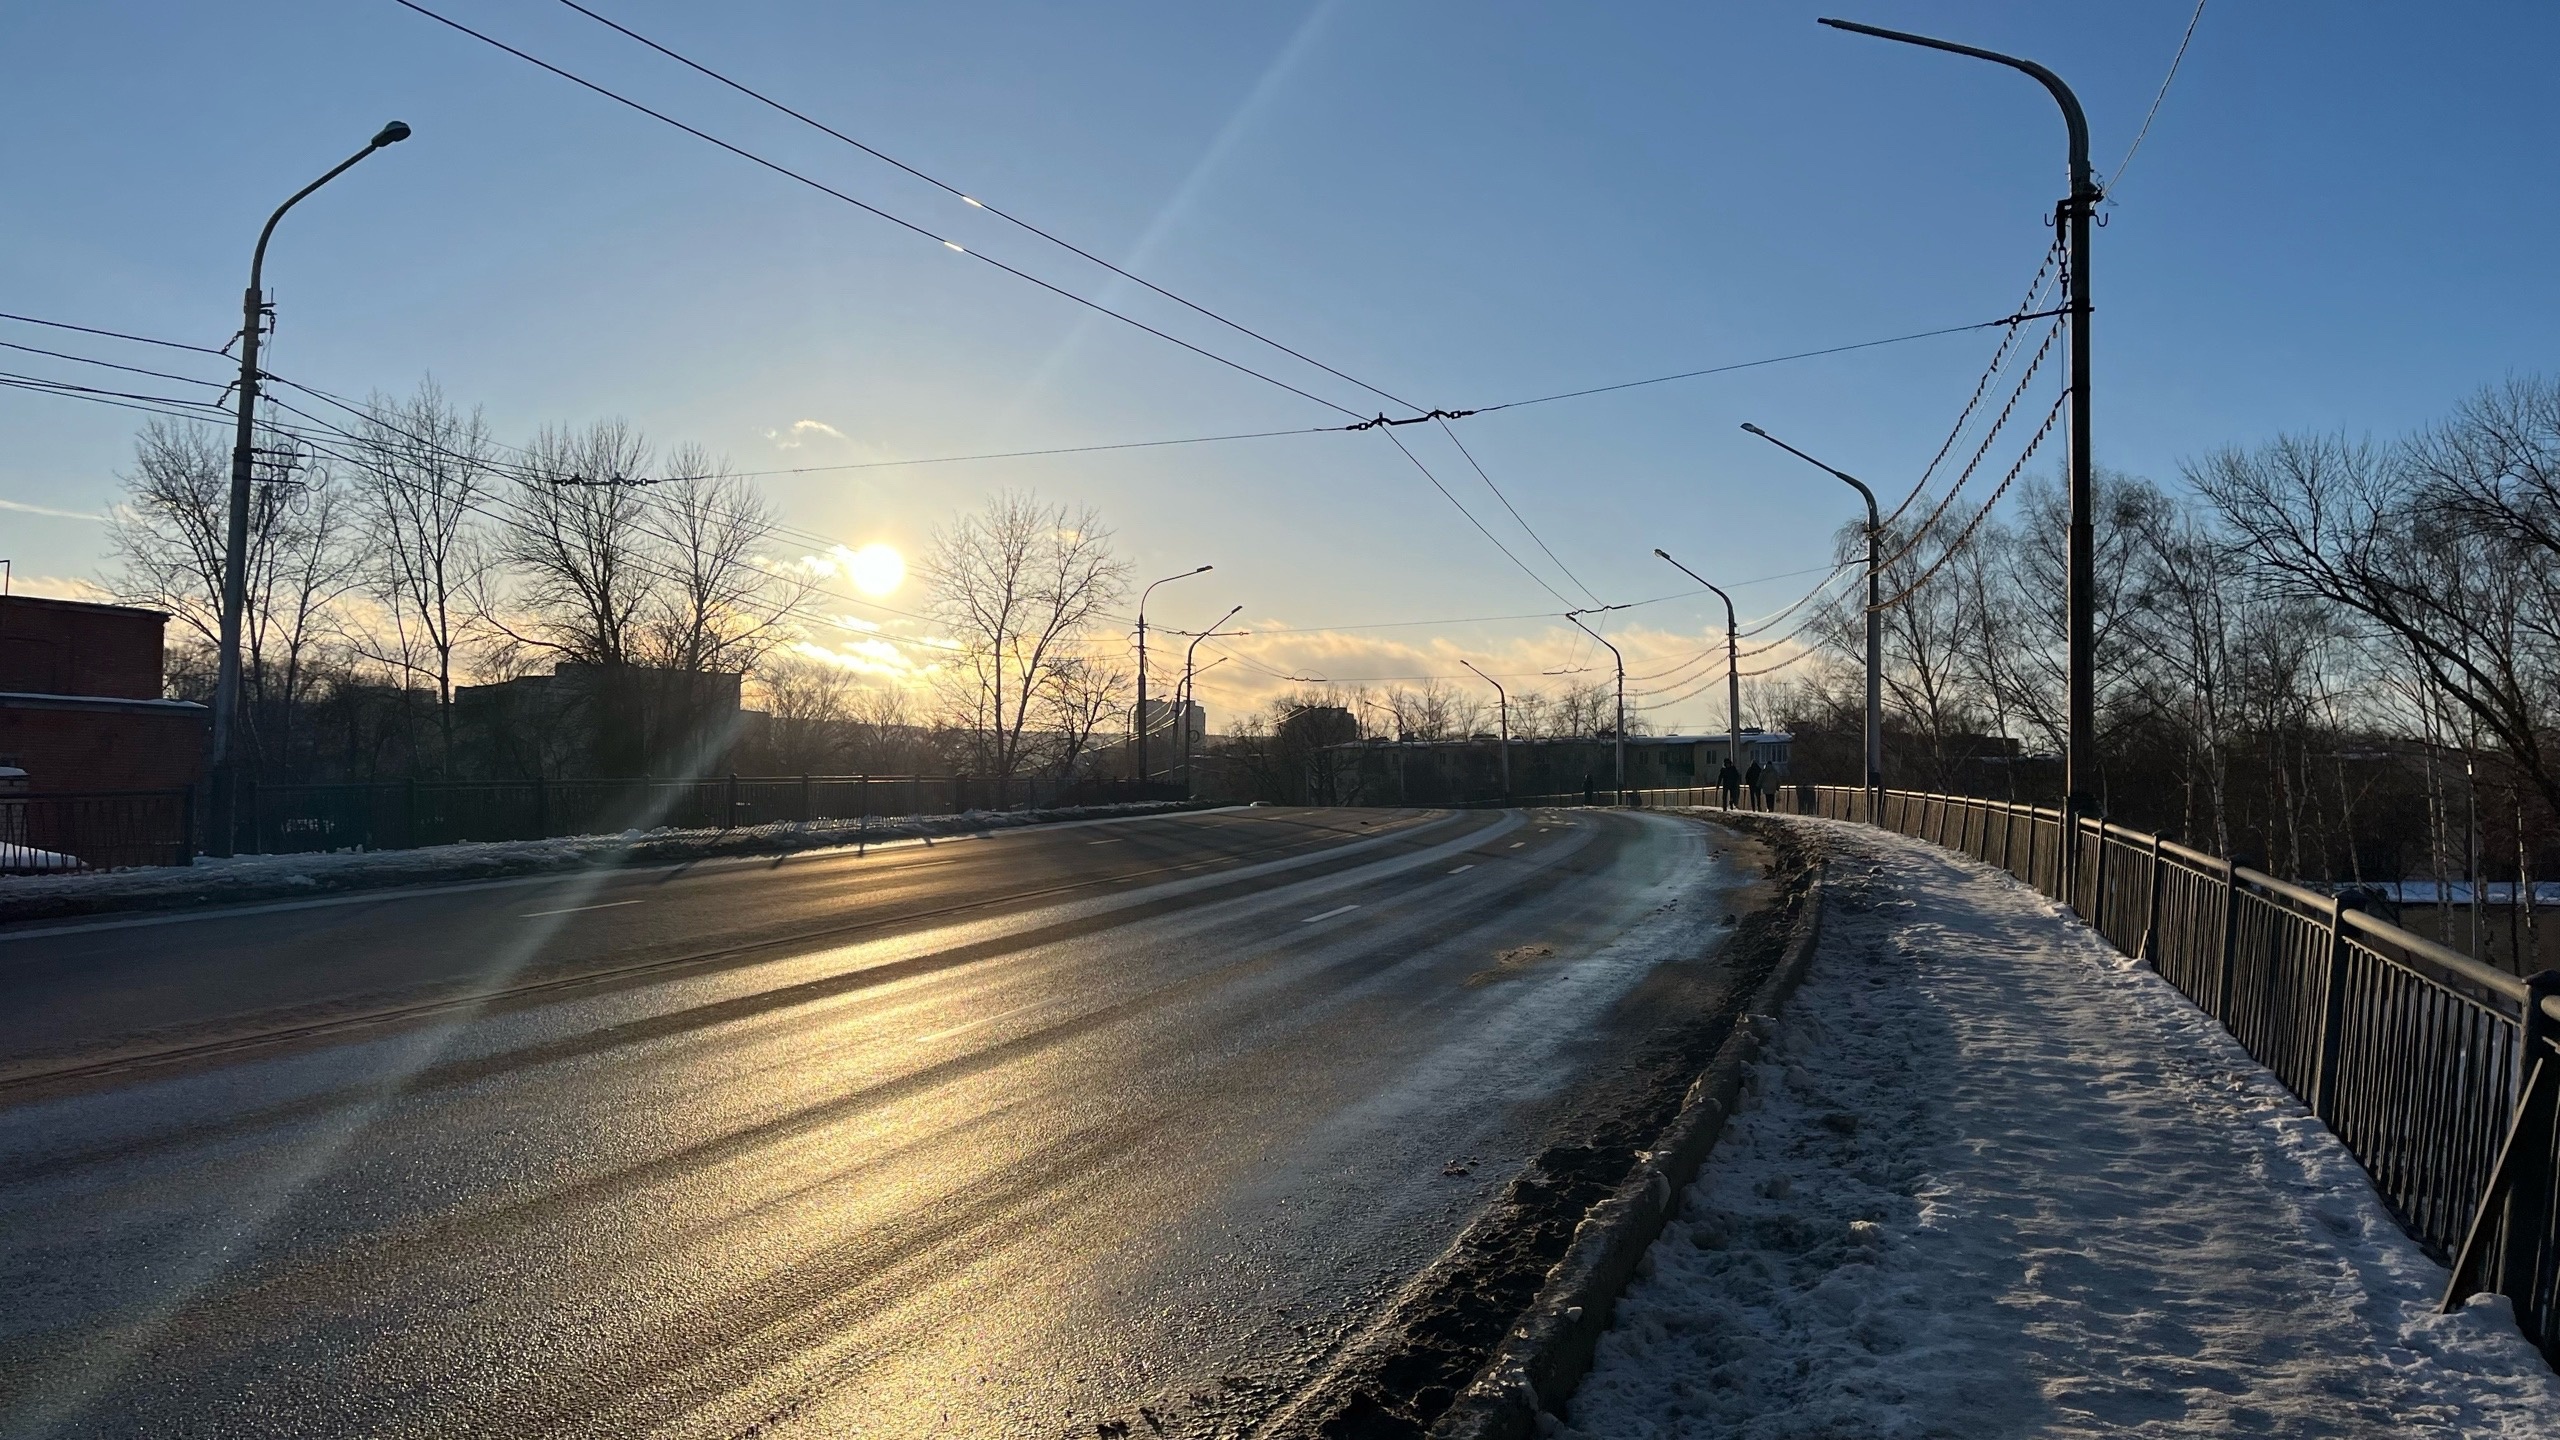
{"x":1998,"y":1180}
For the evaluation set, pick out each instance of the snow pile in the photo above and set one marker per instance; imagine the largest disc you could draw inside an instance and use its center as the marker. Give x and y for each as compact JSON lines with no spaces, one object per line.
{"x":250,"y":877}
{"x":1995,"y":1179}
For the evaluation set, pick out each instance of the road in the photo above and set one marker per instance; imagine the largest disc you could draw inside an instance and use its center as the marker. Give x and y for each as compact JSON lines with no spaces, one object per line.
{"x":1040,"y":1133}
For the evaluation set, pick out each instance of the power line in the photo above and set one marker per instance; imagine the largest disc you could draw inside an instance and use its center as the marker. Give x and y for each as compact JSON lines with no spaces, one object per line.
{"x":976,"y":203}
{"x":1515,"y":514}
{"x":1398,"y":442}
{"x":903,"y":223}
{"x":112,"y":365}
{"x":1984,"y":513}
{"x":1743,"y":364}
{"x":116,"y":335}
{"x":2154,"y":112}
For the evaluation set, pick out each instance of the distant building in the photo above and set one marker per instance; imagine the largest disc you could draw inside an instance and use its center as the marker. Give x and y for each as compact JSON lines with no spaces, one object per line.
{"x":602,"y":721}
{"x":80,"y":700}
{"x":1165,"y":727}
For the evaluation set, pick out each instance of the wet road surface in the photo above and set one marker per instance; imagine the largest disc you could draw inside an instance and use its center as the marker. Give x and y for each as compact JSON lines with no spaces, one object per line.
{"x":1037,"y":1134}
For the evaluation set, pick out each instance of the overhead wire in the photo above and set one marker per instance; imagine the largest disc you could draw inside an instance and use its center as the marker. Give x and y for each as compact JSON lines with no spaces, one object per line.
{"x":976,"y":203}
{"x":1525,"y":526}
{"x":1408,"y":454}
{"x":2162,"y":94}
{"x":902,"y":222}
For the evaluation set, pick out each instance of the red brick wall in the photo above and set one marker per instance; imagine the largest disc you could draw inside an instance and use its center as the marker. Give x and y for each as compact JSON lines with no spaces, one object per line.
{"x":64,"y":750}
{"x":67,"y":647}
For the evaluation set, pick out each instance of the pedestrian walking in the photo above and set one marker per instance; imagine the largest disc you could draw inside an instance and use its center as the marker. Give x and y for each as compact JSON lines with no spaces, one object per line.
{"x":1729,"y":780}
{"x":1752,"y":780}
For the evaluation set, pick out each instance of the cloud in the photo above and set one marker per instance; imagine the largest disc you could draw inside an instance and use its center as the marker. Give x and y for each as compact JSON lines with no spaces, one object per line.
{"x":24,"y":508}
{"x":801,"y":432}
{"x":58,"y":587}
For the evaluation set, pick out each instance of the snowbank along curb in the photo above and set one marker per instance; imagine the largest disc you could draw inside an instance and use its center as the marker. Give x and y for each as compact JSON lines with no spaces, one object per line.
{"x":1551,"y":1346}
{"x":291,"y":877}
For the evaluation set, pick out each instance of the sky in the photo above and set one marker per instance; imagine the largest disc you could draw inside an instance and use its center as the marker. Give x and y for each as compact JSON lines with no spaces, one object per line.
{"x":2340,"y":220}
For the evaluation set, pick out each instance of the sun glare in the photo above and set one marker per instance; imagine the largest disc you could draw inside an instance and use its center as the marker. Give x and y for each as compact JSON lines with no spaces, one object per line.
{"x":876,"y":569}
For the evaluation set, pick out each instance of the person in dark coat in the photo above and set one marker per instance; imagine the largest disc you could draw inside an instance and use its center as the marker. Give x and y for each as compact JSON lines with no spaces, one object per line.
{"x":1754,"y":779}
{"x":1729,"y":780}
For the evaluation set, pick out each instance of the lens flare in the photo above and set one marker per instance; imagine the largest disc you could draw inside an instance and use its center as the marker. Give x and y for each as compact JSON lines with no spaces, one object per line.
{"x":876,"y":569}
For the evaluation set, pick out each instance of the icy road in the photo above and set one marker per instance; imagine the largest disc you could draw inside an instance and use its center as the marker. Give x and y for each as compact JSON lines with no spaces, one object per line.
{"x":1047,"y":1133}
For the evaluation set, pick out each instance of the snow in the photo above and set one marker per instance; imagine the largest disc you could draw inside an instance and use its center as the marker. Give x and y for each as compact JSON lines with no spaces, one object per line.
{"x":259,"y":876}
{"x":1992,"y":1178}
{"x":2492,"y":892}
{"x":16,"y":857}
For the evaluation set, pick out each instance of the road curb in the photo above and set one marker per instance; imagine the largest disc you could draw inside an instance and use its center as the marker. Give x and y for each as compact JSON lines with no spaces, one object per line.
{"x":1552,"y":1344}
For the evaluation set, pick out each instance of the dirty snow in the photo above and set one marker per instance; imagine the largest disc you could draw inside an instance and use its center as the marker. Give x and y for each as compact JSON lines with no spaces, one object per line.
{"x":1998,"y":1180}
{"x":246,"y":877}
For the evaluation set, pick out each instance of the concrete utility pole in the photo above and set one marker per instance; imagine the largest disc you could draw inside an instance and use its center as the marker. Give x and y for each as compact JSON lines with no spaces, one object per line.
{"x":2078,"y":214}
{"x":1732,"y":664}
{"x":1875,"y":615}
{"x":1502,"y":702}
{"x":1182,"y":711}
{"x":224,"y":776}
{"x":1139,"y":730}
{"x":1576,"y":617}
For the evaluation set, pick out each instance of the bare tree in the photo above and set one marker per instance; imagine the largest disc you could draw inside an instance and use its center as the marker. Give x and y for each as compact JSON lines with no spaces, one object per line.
{"x":1017,"y":583}
{"x":579,"y":549}
{"x":719,"y":603}
{"x":427,"y":469}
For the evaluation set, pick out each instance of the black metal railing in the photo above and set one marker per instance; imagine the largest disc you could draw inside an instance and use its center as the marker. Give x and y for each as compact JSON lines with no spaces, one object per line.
{"x":95,"y":830}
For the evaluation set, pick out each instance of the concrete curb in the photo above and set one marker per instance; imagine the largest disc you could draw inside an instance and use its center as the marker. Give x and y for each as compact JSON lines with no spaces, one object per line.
{"x":1551,"y":1346}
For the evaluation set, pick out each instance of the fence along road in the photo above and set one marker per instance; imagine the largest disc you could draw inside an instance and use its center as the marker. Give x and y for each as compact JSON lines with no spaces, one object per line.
{"x":1149,"y":1138}
{"x":2440,"y":1074}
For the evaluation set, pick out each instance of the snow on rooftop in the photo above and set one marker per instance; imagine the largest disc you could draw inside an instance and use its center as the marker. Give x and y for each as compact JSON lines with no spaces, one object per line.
{"x":1999,"y":1180}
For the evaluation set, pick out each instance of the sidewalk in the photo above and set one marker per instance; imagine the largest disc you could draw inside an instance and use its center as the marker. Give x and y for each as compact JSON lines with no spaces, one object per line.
{"x":1998,"y":1180}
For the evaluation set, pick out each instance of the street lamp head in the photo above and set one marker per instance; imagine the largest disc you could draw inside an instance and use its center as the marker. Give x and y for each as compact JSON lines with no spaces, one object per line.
{"x":1665,"y":554}
{"x":1205,"y":569}
{"x":391,"y":134}
{"x":1754,"y":429}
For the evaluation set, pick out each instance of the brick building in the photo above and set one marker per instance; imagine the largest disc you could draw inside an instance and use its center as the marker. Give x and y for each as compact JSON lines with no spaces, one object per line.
{"x":80,"y":704}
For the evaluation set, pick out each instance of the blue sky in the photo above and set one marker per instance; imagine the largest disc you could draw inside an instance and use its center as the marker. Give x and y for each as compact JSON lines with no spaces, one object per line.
{"x":2341,"y":219}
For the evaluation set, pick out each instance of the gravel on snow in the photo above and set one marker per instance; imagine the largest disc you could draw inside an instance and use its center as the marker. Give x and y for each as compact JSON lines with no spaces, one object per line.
{"x":1996,"y":1179}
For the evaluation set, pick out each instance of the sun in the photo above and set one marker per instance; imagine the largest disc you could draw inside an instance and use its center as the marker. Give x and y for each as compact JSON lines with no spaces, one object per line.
{"x":876,"y":569}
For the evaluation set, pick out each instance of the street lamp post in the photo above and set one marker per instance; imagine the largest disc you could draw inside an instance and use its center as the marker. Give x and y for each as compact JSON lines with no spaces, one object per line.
{"x":1139,"y":730}
{"x":2078,"y":214}
{"x":1875,"y":616}
{"x":1621,"y":736}
{"x":1502,"y":703}
{"x":1732,"y":663}
{"x":1182,"y":709}
{"x":235,"y":578}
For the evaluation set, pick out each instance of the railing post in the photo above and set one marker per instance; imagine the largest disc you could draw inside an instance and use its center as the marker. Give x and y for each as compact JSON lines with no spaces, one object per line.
{"x":730,"y":821}
{"x":2516,"y":1203}
{"x":804,"y":800}
{"x":2230,"y":941}
{"x":2333,"y":1009}
{"x":2151,"y":911}
{"x":409,"y":813}
{"x":541,"y":808}
{"x":187,"y":826}
{"x":2098,"y":885}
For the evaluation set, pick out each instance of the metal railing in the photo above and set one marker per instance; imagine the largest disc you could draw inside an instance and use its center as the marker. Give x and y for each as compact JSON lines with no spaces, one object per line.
{"x":95,"y":830}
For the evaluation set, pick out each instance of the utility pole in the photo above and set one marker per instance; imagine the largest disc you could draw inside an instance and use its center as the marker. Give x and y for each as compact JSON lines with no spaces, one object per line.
{"x":224,"y":776}
{"x":2077,"y":213}
{"x":1182,"y":711}
{"x":1732,"y":664}
{"x":1875,"y":617}
{"x":1576,"y":617}
{"x":1138,"y":731}
{"x":1502,"y":702}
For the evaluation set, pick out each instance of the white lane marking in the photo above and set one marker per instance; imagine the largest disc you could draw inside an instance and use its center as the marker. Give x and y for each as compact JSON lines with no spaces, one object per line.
{"x":1106,"y":842}
{"x":1516,"y":844}
{"x":574,"y":909}
{"x":1463,"y":869}
{"x":1329,"y":914}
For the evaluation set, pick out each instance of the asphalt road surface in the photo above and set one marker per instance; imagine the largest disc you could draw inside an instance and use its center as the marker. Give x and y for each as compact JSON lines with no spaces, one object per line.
{"x":1041,"y":1133}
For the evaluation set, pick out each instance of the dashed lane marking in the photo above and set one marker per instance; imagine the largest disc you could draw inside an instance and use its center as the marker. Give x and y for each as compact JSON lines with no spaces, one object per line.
{"x":1329,"y":914}
{"x":574,"y":909}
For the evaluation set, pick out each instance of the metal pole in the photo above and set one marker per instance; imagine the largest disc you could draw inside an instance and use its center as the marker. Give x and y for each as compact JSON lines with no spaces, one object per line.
{"x":1875,"y":616}
{"x":223,"y":771}
{"x":1732,"y":663}
{"x":1576,"y":617}
{"x":1139,"y":730}
{"x":1502,"y":702}
{"x":1182,"y":714}
{"x":2078,"y":212}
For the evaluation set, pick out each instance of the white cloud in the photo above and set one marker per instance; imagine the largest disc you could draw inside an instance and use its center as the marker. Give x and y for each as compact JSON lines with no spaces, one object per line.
{"x":801,"y":432}
{"x":24,"y":508}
